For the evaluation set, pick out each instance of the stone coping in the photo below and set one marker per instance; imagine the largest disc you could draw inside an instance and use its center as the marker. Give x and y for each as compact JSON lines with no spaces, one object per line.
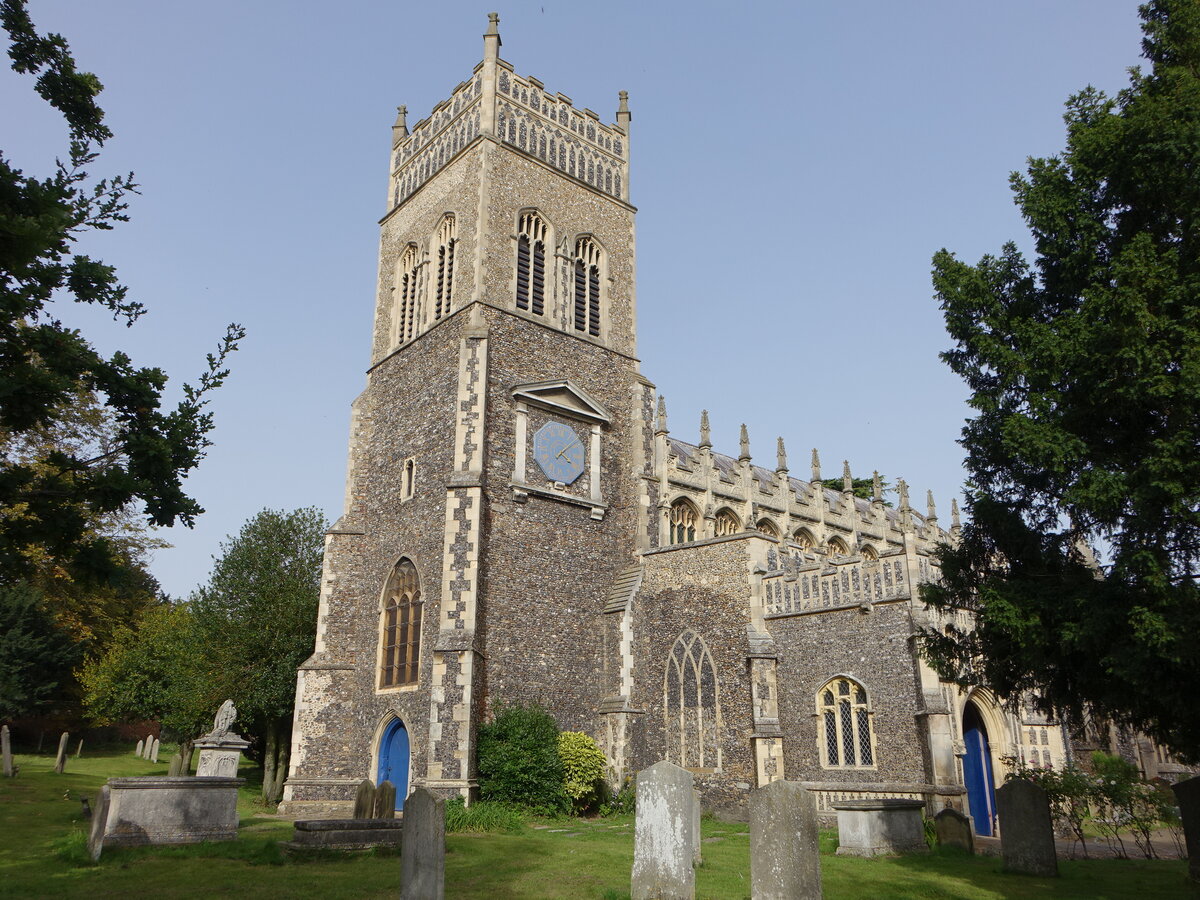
{"x":348,"y":824}
{"x":883,"y":803}
{"x":158,"y":782}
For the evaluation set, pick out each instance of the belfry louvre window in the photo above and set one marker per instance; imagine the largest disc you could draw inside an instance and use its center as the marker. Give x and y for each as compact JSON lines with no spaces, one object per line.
{"x":531,"y":264}
{"x":691,"y":708}
{"x":447,"y":240}
{"x":845,"y":724}
{"x":401,"y":627}
{"x":587,"y":286}
{"x":683,"y":522}
{"x":407,"y":289}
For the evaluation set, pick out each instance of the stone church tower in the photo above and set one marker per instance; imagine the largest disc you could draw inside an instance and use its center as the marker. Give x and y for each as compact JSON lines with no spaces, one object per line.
{"x":521,"y":524}
{"x":492,"y":496}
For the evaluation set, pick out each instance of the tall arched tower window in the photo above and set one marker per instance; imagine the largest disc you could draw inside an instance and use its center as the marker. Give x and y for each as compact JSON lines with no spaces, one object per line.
{"x":408,"y":294}
{"x":587,"y":286}
{"x":531,"y":263}
{"x":447,"y":239}
{"x":683,"y":521}
{"x":691,"y":707}
{"x":401,"y":627}
{"x":847,"y":740}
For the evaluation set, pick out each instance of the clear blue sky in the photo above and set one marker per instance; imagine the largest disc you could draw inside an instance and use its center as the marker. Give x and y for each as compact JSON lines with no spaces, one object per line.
{"x":795,"y":167}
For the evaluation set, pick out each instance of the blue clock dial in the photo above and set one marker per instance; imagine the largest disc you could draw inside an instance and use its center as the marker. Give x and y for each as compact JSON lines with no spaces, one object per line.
{"x":559,"y":452}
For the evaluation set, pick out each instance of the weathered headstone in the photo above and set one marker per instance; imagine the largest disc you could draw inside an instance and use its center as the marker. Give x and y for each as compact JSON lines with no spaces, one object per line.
{"x":662,"y":841}
{"x":154,"y":751}
{"x":785,"y":863}
{"x":953,"y":829}
{"x":1026,"y":832}
{"x":60,"y":761}
{"x":138,"y":751}
{"x":697,"y":852}
{"x":1188,"y":795}
{"x":149,"y":744}
{"x":79,"y":749}
{"x":6,"y":751}
{"x":175,"y":768}
{"x":221,"y":749}
{"x":99,"y":821}
{"x":423,"y":849}
{"x":364,"y":800}
{"x":385,"y":801}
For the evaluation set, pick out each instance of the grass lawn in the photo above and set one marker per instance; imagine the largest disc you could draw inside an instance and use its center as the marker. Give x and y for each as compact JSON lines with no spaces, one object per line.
{"x":42,"y":838}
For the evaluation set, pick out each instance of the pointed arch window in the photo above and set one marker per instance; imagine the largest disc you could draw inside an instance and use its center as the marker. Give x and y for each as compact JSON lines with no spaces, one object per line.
{"x":691,"y":705}
{"x":587,"y":286}
{"x":408,"y":287}
{"x":443,"y":295}
{"x":531,"y":263}
{"x":869,"y":553}
{"x":401,"y":627}
{"x":847,"y":740}
{"x":726,"y":523}
{"x":683,"y":522}
{"x":767,"y":527}
{"x":836,"y":547}
{"x":804,"y":538}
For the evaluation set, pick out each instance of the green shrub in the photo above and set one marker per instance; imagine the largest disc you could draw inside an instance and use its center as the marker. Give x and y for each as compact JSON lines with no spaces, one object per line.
{"x":482,"y":817}
{"x":584,"y":766}
{"x":518,"y":760}
{"x":623,"y":802}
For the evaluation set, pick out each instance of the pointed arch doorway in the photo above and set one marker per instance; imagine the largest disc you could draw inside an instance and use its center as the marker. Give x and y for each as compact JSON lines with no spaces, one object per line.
{"x":977,"y":770}
{"x":394,"y":759}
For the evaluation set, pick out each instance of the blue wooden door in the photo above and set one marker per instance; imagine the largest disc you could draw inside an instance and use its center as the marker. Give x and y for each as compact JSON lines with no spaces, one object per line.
{"x":393,"y":760}
{"x":977,"y":771}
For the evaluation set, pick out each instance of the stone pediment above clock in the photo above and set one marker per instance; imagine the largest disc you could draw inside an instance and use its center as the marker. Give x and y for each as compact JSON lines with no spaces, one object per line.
{"x":562,"y":396}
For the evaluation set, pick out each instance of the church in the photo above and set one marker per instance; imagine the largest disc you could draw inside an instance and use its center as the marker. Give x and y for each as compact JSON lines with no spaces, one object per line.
{"x":523,"y":525}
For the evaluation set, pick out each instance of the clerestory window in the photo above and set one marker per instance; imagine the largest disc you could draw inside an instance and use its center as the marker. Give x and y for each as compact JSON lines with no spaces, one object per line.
{"x":726,"y":523}
{"x":531,"y":263}
{"x":683,"y":521}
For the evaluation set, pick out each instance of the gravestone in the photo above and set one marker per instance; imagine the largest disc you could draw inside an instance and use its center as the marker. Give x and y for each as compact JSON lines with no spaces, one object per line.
{"x":79,"y":749}
{"x":147,"y":745}
{"x":154,"y":751}
{"x":385,"y":801}
{"x":364,"y":800}
{"x":1188,"y":795}
{"x":138,"y":751}
{"x":221,"y":749}
{"x":662,"y":841}
{"x":423,"y":847}
{"x":175,"y":768}
{"x":784,"y":857}
{"x":697,"y":852}
{"x":60,"y":761}
{"x":99,"y":821}
{"x":954,"y":830}
{"x":6,"y":751}
{"x":1026,"y":832}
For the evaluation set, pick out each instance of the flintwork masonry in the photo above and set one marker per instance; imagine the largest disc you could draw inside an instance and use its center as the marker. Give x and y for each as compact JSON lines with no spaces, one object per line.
{"x":522,"y":525}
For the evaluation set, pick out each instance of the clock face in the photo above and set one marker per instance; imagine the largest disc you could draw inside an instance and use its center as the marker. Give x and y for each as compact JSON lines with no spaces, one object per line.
{"x":558,"y":452}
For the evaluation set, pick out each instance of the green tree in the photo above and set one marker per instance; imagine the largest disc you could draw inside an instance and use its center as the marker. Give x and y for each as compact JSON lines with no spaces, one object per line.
{"x":862,"y":488}
{"x":35,"y":655}
{"x":1084,"y":370}
{"x":256,"y":621}
{"x":49,"y":502}
{"x":155,"y":670}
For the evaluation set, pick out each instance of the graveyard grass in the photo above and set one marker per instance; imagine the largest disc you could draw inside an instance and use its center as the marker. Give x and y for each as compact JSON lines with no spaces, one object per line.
{"x":43,"y":854}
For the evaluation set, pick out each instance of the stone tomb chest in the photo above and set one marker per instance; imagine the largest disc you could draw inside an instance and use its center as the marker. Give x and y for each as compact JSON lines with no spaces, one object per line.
{"x":880,"y":827}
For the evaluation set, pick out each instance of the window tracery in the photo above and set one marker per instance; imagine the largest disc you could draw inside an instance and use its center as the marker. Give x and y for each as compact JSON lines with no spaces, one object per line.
{"x":443,"y":296}
{"x":846,"y":736}
{"x":766,"y":526}
{"x":691,"y":706}
{"x":683,"y":521}
{"x":726,"y":523}
{"x":401,"y":627}
{"x":408,"y":287}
